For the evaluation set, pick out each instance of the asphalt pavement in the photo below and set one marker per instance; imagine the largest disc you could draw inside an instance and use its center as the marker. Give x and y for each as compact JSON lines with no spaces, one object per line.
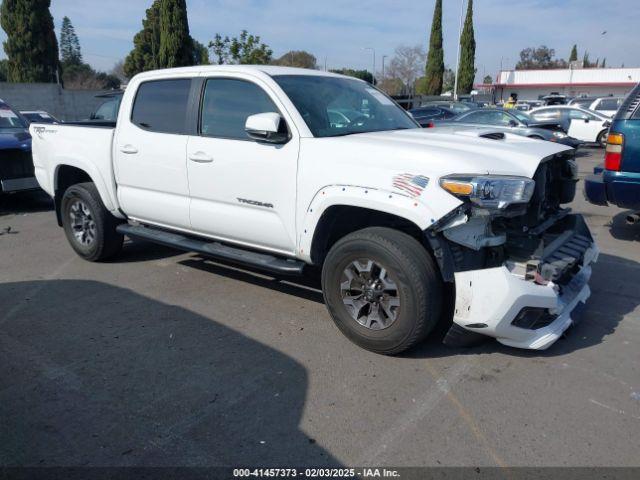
{"x":166,"y":358}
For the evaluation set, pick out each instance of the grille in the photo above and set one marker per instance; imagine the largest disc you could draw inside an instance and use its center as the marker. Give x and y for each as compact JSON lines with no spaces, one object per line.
{"x":15,"y":163}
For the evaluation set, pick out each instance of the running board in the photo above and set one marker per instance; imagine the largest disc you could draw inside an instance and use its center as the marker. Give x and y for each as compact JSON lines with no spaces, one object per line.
{"x":214,"y":249}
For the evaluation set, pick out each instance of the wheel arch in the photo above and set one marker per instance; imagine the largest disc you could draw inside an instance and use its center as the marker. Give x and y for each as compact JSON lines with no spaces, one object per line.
{"x":339,"y":220}
{"x":68,"y":174}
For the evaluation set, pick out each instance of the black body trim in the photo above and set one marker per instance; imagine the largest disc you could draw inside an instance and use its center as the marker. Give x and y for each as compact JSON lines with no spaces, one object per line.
{"x":214,"y":249}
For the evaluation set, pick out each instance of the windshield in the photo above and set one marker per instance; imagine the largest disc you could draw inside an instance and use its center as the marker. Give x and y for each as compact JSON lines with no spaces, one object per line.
{"x":9,"y":119}
{"x":333,"y":106}
{"x":523,"y":117}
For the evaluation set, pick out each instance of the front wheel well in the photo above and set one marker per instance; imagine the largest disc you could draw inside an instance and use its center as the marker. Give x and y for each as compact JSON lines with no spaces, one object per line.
{"x":340,"y":220}
{"x":66,"y":176}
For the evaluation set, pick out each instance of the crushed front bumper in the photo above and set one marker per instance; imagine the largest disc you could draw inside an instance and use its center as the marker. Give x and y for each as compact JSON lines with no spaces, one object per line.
{"x":489,"y":302}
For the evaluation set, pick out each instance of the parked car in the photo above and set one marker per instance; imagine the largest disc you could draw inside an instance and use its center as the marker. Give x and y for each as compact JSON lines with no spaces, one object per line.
{"x":243,"y":163}
{"x":16,"y":166}
{"x":39,"y":116}
{"x":585,"y":125}
{"x":619,"y":182}
{"x":457,"y":107}
{"x":513,"y":121}
{"x":606,"y":105}
{"x":108,"y":110}
{"x":582,"y":102}
{"x":425,"y":115}
{"x":555,"y":99}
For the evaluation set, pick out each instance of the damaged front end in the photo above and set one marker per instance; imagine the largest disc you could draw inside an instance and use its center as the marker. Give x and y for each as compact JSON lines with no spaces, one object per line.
{"x":520,"y":262}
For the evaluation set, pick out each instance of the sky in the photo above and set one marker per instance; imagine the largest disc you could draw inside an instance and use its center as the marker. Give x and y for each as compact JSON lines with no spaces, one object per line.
{"x":338,"y":31}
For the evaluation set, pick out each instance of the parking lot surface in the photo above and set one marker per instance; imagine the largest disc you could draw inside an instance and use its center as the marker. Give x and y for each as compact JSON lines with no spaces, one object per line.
{"x":166,"y":358}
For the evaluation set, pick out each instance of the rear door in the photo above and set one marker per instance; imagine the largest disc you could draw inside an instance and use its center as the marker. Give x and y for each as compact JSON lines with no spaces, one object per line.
{"x":242,"y":191}
{"x":150,"y":153}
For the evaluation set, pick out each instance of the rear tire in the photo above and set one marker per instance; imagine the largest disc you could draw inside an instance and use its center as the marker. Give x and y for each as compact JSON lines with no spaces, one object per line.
{"x":89,"y":226}
{"x":602,"y":138}
{"x":382,"y":289}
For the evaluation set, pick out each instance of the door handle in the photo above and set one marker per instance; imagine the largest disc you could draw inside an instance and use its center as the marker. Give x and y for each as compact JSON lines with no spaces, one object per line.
{"x":200,"y":157}
{"x":129,"y":149}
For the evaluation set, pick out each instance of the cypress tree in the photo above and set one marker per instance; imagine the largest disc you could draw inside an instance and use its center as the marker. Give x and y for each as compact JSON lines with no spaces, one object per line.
{"x":176,"y":45}
{"x":146,"y":44}
{"x":467,"y":70}
{"x":574,"y":54}
{"x":604,"y":63}
{"x":31,"y":45}
{"x":435,"y":58}
{"x":70,"y":52}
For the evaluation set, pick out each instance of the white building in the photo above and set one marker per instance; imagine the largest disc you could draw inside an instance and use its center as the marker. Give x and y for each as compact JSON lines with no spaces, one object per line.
{"x":591,"y":82}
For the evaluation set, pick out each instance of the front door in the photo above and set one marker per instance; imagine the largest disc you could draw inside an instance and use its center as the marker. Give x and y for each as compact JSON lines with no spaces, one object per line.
{"x":150,"y":154}
{"x":242,"y":191}
{"x":584,"y":126}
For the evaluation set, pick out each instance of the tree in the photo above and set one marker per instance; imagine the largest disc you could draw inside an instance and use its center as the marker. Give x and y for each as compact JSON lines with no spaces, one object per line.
{"x":118,"y":71}
{"x":83,"y":77}
{"x":176,"y":45}
{"x":541,"y":58}
{"x":365,"y":75}
{"x":200,"y":54}
{"x":435,"y":58}
{"x":448,"y":80}
{"x":406,"y":65}
{"x":31,"y":45}
{"x":604,"y":63}
{"x":586,"y":63}
{"x":146,"y":44}
{"x":245,"y":49}
{"x":297,"y":58}
{"x":487,"y":80}
{"x":164,"y":40}
{"x":395,"y":86}
{"x":574,"y":54}
{"x":70,"y":52}
{"x":467,"y":70}
{"x":3,"y":70}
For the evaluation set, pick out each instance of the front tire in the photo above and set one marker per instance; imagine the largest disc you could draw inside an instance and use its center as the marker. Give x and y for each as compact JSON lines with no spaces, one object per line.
{"x":382,"y":289}
{"x":88,"y":225}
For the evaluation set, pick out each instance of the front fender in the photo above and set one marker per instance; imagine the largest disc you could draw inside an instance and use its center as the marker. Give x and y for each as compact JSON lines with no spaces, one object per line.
{"x":418,"y":210}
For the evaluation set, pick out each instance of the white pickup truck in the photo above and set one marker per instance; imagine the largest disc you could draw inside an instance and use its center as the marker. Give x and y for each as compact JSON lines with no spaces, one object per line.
{"x":278,"y":168}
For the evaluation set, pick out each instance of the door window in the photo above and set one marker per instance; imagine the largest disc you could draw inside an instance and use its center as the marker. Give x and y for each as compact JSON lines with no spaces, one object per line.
{"x":226,"y":105}
{"x":578,"y":115}
{"x":161,"y":106}
{"x":608,"y":104}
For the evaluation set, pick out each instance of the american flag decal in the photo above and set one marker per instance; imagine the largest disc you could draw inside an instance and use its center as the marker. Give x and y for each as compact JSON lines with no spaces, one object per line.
{"x":411,"y":184}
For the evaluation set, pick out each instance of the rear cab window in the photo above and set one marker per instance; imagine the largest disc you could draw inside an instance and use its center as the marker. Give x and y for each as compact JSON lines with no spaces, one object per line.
{"x":162,"y":106}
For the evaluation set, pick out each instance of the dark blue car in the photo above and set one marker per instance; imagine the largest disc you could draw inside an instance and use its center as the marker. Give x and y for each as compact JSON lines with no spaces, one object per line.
{"x":16,"y":164}
{"x":618,"y":183}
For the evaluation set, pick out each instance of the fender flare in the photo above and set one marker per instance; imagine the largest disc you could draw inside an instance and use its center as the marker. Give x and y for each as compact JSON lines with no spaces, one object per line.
{"x":385,"y":201}
{"x":109,"y":200}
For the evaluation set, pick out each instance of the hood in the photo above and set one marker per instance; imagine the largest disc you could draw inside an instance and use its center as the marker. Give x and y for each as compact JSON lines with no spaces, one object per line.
{"x":450,"y":150}
{"x":19,"y":139}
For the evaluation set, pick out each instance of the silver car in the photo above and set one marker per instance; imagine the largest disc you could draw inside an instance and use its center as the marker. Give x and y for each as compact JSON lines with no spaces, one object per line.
{"x":513,"y":121}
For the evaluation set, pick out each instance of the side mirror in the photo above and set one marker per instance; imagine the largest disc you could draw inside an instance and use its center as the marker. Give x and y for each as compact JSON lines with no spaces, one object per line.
{"x":586,"y":120}
{"x":267,"y":127}
{"x":513,"y":123}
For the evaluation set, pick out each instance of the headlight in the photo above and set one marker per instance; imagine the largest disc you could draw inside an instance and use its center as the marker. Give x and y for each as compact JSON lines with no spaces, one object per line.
{"x":560,"y":135}
{"x":490,"y":191}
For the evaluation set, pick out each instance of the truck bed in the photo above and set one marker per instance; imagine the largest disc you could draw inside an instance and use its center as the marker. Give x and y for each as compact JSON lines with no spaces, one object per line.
{"x":84,"y":145}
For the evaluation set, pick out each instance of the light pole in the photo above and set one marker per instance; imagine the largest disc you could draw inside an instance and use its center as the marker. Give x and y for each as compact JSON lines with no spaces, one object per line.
{"x":383,"y":57}
{"x":455,"y":83}
{"x":373,"y":74}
